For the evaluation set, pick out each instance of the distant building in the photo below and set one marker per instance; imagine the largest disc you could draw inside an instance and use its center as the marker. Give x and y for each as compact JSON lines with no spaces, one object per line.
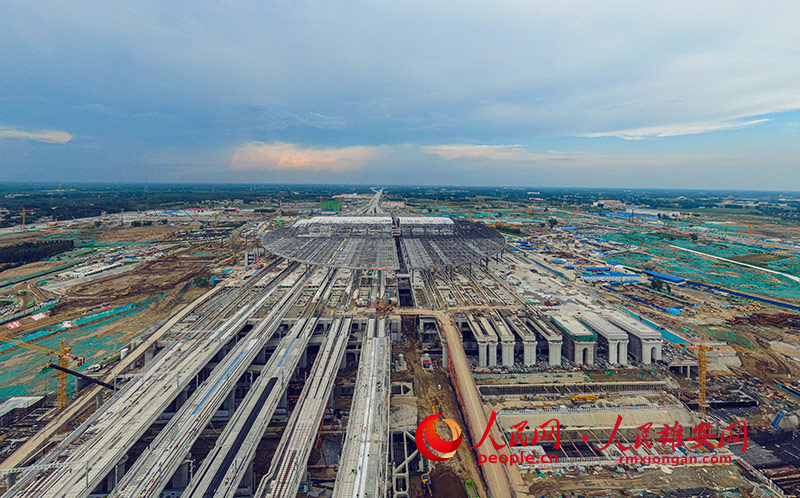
{"x":609,"y":204}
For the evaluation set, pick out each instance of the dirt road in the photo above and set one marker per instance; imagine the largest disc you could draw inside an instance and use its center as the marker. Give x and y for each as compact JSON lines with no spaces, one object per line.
{"x":500,"y":479}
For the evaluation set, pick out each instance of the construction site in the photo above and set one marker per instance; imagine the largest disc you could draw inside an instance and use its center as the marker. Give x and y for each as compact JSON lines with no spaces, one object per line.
{"x":229,"y":353}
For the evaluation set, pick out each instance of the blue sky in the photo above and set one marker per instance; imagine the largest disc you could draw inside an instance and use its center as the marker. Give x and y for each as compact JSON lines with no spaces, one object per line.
{"x":607,"y":94}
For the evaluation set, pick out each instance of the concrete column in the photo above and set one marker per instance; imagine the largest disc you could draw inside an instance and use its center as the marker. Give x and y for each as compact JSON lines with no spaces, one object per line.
{"x":529,"y":352}
{"x":554,"y":353}
{"x":482,"y":361}
{"x":181,"y":478}
{"x":247,"y":480}
{"x":657,"y":352}
{"x":230,"y":402}
{"x":577,"y":354}
{"x":492,"y":354}
{"x":445,"y":363}
{"x":613,"y":350}
{"x":148,"y":354}
{"x":261,"y":357}
{"x":646,"y":359}
{"x":508,"y":354}
{"x":304,"y":358}
{"x":590,"y":355}
{"x":622,"y":354}
{"x":116,"y":474}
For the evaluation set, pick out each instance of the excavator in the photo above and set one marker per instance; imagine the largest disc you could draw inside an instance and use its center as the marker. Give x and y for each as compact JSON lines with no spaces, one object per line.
{"x":426,"y":483}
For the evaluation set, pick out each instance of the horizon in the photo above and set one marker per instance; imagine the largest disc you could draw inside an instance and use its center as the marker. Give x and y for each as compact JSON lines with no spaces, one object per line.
{"x":410,"y":185}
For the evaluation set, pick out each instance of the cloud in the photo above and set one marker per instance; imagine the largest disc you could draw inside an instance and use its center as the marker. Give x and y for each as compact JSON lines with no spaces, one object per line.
{"x":280,"y":156}
{"x":46,"y":136}
{"x":676,"y":130}
{"x":145,"y":79}
{"x":508,"y":153}
{"x":284,"y":119}
{"x":494,"y":73}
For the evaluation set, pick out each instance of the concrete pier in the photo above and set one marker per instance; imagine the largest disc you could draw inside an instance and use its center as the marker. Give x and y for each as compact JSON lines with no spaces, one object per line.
{"x":645,"y":341}
{"x":612,"y":337}
{"x":527,"y":336}
{"x":581,"y":340}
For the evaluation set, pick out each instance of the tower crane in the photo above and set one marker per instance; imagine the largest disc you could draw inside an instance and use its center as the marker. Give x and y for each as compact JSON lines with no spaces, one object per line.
{"x":24,"y":213}
{"x":702,"y":369}
{"x":63,"y":359}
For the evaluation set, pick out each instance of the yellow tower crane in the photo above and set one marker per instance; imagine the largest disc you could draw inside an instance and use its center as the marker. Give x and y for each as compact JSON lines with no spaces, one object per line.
{"x":24,"y":214}
{"x":702,"y":369}
{"x":62,"y":358}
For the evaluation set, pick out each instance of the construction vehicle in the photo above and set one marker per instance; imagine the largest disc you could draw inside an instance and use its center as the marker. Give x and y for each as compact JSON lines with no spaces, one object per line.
{"x":584,"y":398}
{"x":426,"y":483}
{"x":63,"y":359}
{"x":472,"y":490}
{"x":384,"y":309}
{"x":548,"y":302}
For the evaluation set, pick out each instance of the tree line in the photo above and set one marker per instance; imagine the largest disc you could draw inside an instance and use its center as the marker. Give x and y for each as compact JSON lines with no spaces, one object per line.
{"x":26,"y":252}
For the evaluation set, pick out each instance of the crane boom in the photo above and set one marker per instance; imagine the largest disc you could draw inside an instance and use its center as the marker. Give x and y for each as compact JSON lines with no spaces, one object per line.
{"x":62,"y":361}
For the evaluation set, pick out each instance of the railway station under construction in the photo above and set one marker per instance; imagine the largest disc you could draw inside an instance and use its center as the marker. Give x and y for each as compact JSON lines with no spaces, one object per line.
{"x":307,"y":370}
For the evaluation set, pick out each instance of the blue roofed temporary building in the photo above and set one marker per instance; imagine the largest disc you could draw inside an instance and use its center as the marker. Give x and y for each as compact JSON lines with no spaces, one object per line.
{"x":664,"y":276}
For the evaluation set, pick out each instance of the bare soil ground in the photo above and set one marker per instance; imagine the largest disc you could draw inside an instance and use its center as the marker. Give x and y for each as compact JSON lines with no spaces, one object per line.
{"x":132,"y":234}
{"x":16,"y":238}
{"x":29,"y":268}
{"x":781,"y":320}
{"x":147,"y":281}
{"x":447,"y":483}
{"x":758,"y":258}
{"x":656,"y":482}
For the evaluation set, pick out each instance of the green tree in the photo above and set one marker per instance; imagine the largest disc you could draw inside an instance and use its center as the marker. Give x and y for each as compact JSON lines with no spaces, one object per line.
{"x":201,"y":282}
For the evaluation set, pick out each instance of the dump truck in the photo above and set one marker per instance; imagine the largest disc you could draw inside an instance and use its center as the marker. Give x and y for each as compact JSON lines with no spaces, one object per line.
{"x":472,"y":490}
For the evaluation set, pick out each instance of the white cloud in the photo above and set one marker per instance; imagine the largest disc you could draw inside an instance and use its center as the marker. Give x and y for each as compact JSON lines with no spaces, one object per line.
{"x":47,"y":136}
{"x":289,"y":157}
{"x":676,"y":130}
{"x":458,"y":71}
{"x":508,"y":153}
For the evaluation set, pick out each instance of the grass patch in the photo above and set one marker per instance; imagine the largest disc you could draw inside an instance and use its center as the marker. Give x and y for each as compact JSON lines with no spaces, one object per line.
{"x":730,"y":336}
{"x":759,"y":258}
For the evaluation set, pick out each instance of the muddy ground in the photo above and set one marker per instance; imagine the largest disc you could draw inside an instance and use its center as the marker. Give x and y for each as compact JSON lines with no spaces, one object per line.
{"x":463,"y":466}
